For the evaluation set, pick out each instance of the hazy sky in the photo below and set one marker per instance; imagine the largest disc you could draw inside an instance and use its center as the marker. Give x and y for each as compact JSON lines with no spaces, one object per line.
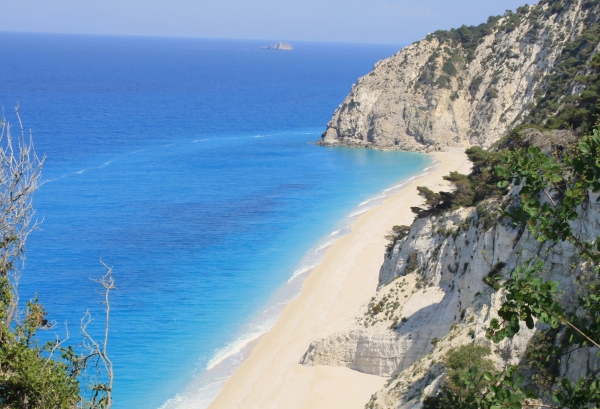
{"x":365,"y":21}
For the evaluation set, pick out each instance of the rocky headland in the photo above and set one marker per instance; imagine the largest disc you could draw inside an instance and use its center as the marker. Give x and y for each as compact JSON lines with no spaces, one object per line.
{"x":462,"y":87}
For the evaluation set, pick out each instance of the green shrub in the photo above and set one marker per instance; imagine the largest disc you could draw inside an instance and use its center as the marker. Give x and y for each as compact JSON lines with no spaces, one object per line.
{"x":469,"y":190}
{"x":411,"y":264}
{"x":449,"y":68}
{"x":462,"y":359}
{"x":494,"y":275}
{"x":475,"y":84}
{"x":398,"y":233}
{"x":443,"y":81}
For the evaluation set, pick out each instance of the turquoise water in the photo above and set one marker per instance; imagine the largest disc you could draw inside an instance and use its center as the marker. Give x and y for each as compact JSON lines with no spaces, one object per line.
{"x":188,"y":166}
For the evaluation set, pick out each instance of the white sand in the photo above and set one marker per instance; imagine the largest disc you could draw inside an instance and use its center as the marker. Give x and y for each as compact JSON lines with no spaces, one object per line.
{"x":271,"y":377}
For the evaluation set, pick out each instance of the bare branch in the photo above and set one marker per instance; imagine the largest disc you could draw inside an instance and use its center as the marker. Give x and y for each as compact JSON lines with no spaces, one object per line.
{"x":57,"y":344}
{"x":582,"y":334}
{"x":99,"y":349}
{"x":20,"y":173}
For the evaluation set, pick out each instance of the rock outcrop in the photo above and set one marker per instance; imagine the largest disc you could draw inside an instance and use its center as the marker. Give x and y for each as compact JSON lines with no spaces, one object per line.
{"x":280,"y":46}
{"x":459,"y":88}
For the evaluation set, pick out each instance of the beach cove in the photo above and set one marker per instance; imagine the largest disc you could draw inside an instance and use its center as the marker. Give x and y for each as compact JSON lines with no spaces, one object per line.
{"x":271,"y":376}
{"x":201,"y":188}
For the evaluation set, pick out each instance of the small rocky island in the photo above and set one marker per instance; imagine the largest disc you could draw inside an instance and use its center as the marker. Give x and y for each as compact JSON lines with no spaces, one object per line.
{"x":280,"y":46}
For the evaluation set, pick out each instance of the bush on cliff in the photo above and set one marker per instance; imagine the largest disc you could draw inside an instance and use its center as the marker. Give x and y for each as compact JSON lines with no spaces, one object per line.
{"x":398,"y":233}
{"x":557,"y":107}
{"x":460,"y":360}
{"x":553,"y":185}
{"x":468,"y":190}
{"x":34,"y":375}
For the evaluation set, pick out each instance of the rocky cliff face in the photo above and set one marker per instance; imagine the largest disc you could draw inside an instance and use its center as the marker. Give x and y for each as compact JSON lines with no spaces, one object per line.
{"x":432,"y":297}
{"x":456,"y":89}
{"x":460,"y":88}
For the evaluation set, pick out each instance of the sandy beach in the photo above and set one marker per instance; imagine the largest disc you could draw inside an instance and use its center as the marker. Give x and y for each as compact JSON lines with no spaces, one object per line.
{"x":271,"y":376}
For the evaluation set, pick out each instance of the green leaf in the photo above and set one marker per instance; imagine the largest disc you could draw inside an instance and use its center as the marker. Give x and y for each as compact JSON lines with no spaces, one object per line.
{"x":529,"y":322}
{"x":519,"y":380}
{"x":584,"y":148}
{"x":566,"y":384}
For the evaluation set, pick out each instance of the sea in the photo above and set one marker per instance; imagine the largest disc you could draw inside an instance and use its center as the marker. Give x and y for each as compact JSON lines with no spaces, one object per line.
{"x":189,"y":167}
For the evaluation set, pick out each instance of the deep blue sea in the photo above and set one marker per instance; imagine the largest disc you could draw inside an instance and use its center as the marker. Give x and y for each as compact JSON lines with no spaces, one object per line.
{"x":187,"y":165}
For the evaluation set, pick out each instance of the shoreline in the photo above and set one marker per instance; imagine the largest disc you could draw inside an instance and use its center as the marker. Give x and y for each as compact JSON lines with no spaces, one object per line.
{"x":270,"y":375}
{"x":205,"y":386}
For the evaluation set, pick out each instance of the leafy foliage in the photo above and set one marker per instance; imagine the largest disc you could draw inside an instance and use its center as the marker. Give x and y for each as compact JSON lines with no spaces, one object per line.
{"x":460,"y":360}
{"x":476,"y":390}
{"x":31,"y":378}
{"x":528,"y":297}
{"x":494,"y":276}
{"x":552,"y":187}
{"x":398,"y":233}
{"x":37,"y":376}
{"x":480,"y":184}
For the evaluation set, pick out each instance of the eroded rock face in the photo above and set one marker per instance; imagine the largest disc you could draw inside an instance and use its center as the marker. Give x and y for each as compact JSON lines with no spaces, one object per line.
{"x":432,"y":95}
{"x":380,"y":354}
{"x":432,"y":293}
{"x":381,"y":351}
{"x":432,"y":297}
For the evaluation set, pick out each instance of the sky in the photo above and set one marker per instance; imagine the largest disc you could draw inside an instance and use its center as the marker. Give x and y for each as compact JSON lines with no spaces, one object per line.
{"x":354,"y":21}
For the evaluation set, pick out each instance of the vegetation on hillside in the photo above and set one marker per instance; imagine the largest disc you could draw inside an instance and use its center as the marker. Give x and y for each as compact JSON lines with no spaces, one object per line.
{"x":467,"y":37}
{"x":555,"y":172}
{"x":557,"y":107}
{"x":553,"y":159}
{"x":555,"y":175}
{"x":473,"y":382}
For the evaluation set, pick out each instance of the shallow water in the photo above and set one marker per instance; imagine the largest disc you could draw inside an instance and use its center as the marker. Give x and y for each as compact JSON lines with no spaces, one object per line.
{"x":187,"y":165}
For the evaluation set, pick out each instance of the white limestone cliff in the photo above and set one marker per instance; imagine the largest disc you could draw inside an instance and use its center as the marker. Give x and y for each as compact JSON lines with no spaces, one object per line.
{"x":431,"y":287}
{"x":432,"y":296}
{"x":433,"y":95}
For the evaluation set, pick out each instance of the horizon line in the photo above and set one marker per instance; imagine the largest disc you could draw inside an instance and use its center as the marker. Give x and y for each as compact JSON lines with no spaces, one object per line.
{"x":194,"y":37}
